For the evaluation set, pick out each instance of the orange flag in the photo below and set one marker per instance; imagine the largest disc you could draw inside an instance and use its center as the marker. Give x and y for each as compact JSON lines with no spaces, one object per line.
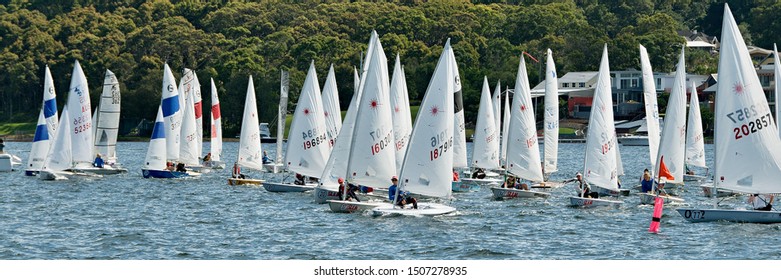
{"x":663,"y":171}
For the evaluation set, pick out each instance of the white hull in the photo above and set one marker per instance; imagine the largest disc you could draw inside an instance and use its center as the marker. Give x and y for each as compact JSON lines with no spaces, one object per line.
{"x":693,"y":178}
{"x":503,"y":193}
{"x":461,"y":187}
{"x":606,"y":192}
{"x":48,"y":175}
{"x":546,"y":185}
{"x":283,"y":187}
{"x":6,"y":163}
{"x":106,"y":170}
{"x":424,"y":209}
{"x":592,"y":202}
{"x":323,"y":195}
{"x":273,"y":167}
{"x":647,"y":198}
{"x":710,"y":191}
{"x":236,"y":182}
{"x":214,"y":164}
{"x":487,"y":181}
{"x":340,"y":206}
{"x":634,"y":140}
{"x":739,"y":216}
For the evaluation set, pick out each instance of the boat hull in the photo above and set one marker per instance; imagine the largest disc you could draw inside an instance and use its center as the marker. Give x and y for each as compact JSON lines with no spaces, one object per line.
{"x":633,"y":140}
{"x":214,"y":164}
{"x":592,"y":202}
{"x":342,"y":206}
{"x":647,"y":198}
{"x":6,"y":164}
{"x":503,"y":193}
{"x":693,"y":178}
{"x":738,"y":216}
{"x":237,"y":182}
{"x":100,"y":171}
{"x":273,"y":167}
{"x":323,"y":195}
{"x":546,"y":185}
{"x":31,"y":172}
{"x":606,"y":192}
{"x":424,"y":209}
{"x":162,"y":174}
{"x":283,"y":187}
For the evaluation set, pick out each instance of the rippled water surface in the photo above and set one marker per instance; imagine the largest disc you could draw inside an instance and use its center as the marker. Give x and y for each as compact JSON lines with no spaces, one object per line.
{"x":128,"y":217}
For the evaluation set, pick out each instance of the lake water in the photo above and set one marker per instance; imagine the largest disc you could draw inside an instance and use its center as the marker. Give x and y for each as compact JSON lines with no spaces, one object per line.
{"x":128,"y":217}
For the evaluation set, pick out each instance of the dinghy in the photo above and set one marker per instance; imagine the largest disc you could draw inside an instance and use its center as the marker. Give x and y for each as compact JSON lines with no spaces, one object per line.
{"x":44,"y":130}
{"x":485,"y":151}
{"x":523,"y":150}
{"x":250,"y":154}
{"x":670,"y":161}
{"x":747,"y":158}
{"x":164,"y":144}
{"x":428,"y":165}
{"x":215,"y":162}
{"x":307,"y":147}
{"x":600,"y":166}
{"x":695,"y":141}
{"x":551,"y":126}
{"x":331,"y":109}
{"x":106,"y":127}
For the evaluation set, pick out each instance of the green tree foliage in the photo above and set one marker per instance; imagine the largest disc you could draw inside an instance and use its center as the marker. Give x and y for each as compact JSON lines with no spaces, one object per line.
{"x":230,"y":40}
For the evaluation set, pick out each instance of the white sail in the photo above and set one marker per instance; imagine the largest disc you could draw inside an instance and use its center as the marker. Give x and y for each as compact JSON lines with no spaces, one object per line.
{"x":695,"y":144}
{"x":600,"y":162}
{"x":331,"y":109}
{"x":356,"y":81}
{"x":107,"y":122}
{"x":459,"y":135}
{"x":551,"y":117}
{"x":49,"y":103}
{"x":399,"y":100}
{"x":156,"y":153}
{"x":777,"y":75}
{"x":198,"y":110}
{"x":216,"y":125}
{"x":282,"y":112}
{"x":60,"y":155}
{"x":80,"y":112}
{"x":188,"y":148}
{"x":428,"y":164}
{"x":485,"y":152}
{"x":497,"y":98}
{"x":523,"y":150}
{"x":747,"y":155}
{"x":505,"y":128}
{"x":673,"y":141}
{"x":651,"y":107}
{"x":250,"y":154}
{"x":41,"y":144}
{"x":307,"y":150}
{"x":372,"y":156}
{"x":336,"y":166}
{"x":172,"y":114}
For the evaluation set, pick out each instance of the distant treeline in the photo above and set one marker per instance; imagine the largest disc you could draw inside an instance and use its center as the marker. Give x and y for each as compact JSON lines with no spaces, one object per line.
{"x":228,"y":41}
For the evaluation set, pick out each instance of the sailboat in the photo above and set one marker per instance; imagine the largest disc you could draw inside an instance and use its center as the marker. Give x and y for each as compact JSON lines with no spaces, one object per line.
{"x":485,"y":149}
{"x":106,"y":127}
{"x":44,"y":130}
{"x":164,"y":143}
{"x":373,"y":128}
{"x":216,"y":131}
{"x":307,"y":146}
{"x":747,"y":158}
{"x":695,"y":142}
{"x":60,"y":156}
{"x":250,"y":154}
{"x":459,"y":134}
{"x":428,"y":164}
{"x":189,"y":147}
{"x":600,"y":168}
{"x":277,"y":166}
{"x":551,"y":125}
{"x":331,"y":109}
{"x":505,"y":129}
{"x":523,"y":150}
{"x":402,"y":120}
{"x":670,"y":157}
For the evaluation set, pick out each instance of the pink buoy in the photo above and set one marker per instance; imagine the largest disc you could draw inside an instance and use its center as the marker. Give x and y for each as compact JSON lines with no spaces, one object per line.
{"x":657,"y":218}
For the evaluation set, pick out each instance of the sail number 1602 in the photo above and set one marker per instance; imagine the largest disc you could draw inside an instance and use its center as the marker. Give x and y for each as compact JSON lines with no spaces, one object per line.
{"x":440,"y":144}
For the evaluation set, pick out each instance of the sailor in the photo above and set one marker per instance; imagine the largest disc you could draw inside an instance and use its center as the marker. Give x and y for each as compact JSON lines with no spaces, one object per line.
{"x":646,"y":182}
{"x":584,"y":189}
{"x":266,"y":159}
{"x":2,"y":146}
{"x":761,"y":202}
{"x":300,"y":179}
{"x":351,"y":188}
{"x":403,"y":198}
{"x":478,"y":174}
{"x":509,"y":183}
{"x":98,"y":161}
{"x":237,"y":171}
{"x":207,"y":157}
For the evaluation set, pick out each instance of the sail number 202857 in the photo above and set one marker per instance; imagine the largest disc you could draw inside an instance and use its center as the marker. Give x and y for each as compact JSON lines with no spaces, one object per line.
{"x":752,"y":126}
{"x":440,"y":144}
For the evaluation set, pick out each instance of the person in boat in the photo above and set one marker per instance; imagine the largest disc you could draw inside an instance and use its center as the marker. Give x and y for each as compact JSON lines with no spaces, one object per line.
{"x":761,"y":202}
{"x":341,"y":188}
{"x":207,"y":158}
{"x":351,"y":189}
{"x":509,"y":183}
{"x":523,"y":186}
{"x":98,"y":161}
{"x":300,"y":179}
{"x":2,"y":146}
{"x":584,"y":189}
{"x":403,"y":198}
{"x":646,"y":182}
{"x":478,"y":174}
{"x":688,"y":170}
{"x":455,"y":176}
{"x":180,"y":167}
{"x":169,"y":166}
{"x":266,"y":159}
{"x":237,"y":172}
